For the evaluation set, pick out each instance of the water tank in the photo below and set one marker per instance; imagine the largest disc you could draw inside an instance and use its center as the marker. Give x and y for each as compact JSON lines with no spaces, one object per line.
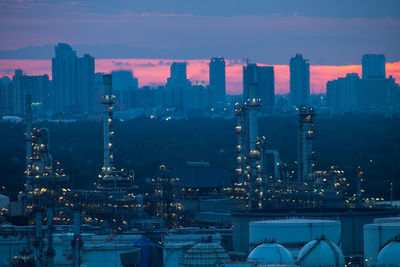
{"x":270,"y":253}
{"x":390,"y":254}
{"x":205,"y":254}
{"x":321,"y":252}
{"x":376,"y":235}
{"x":294,"y":233}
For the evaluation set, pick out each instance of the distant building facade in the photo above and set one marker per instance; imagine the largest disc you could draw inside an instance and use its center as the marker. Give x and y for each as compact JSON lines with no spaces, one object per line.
{"x":85,"y":84}
{"x":5,"y":96}
{"x":342,"y":93}
{"x":374,"y":92}
{"x":73,"y":81}
{"x":264,"y":77}
{"x":299,"y":81}
{"x":373,"y":66}
{"x":217,"y":81}
{"x":176,"y":85}
{"x":124,"y":85}
{"x":21,"y":85}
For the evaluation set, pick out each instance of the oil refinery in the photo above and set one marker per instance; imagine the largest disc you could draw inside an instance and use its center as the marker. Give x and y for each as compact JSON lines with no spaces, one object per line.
{"x":197,"y":215}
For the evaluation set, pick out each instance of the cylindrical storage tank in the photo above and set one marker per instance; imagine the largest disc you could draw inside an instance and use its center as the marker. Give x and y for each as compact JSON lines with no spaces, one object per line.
{"x":390,"y":254}
{"x":376,"y":235}
{"x":271,"y":253}
{"x":321,"y":252}
{"x":294,"y":233}
{"x":176,"y":245}
{"x":206,"y":254}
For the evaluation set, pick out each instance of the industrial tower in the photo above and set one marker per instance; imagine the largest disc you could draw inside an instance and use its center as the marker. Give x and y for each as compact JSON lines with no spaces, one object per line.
{"x":249,"y":178}
{"x":305,"y":151}
{"x":109,"y":179}
{"x":41,"y":173}
{"x":45,"y":184}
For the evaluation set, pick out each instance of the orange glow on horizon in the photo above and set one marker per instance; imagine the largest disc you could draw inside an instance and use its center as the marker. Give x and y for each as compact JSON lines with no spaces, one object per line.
{"x":156,"y":71}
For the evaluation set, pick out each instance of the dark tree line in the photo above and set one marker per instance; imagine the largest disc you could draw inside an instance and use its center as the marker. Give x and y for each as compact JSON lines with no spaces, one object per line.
{"x":142,"y":144}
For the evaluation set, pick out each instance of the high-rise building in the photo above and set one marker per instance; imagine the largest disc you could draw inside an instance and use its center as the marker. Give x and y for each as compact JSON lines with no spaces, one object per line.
{"x":5,"y":96}
{"x":124,"y":83}
{"x":73,"y":80}
{"x":373,"y":66}
{"x":299,"y":81}
{"x":64,"y":77}
{"x":217,"y":81}
{"x":176,"y":84}
{"x":178,"y":74}
{"x":36,"y":86}
{"x":341,"y":94}
{"x":373,"y":92}
{"x":266,"y":84}
{"x":263,"y":76}
{"x":249,"y":77}
{"x":85,"y":84}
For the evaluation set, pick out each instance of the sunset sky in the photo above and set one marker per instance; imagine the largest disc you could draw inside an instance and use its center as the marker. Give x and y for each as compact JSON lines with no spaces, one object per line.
{"x":145,"y":36}
{"x":156,"y":71}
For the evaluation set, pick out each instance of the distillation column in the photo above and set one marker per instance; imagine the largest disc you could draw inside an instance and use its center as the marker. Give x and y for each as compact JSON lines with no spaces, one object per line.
{"x":28,"y":134}
{"x":242,"y":145}
{"x":253,"y":104}
{"x":305,"y":152}
{"x":108,"y":101}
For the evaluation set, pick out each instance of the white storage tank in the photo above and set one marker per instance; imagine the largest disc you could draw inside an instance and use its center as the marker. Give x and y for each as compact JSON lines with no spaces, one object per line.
{"x":376,"y":235}
{"x":321,"y":252}
{"x":390,"y":254}
{"x":294,"y":233}
{"x":270,"y":253}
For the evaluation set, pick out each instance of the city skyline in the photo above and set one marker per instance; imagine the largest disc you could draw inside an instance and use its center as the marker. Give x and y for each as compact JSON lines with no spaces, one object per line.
{"x":156,"y":71}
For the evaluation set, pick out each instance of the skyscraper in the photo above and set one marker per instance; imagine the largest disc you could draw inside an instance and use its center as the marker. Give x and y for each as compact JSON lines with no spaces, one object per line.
{"x":373,"y":92}
{"x":64,"y":77}
{"x":263,"y":76}
{"x":5,"y":96}
{"x":299,"y":81}
{"x":342,"y":94}
{"x":217,"y":80}
{"x":249,"y":77}
{"x":176,"y":84}
{"x":124,"y":85}
{"x":178,"y":74}
{"x":73,"y":80}
{"x":85,"y":83}
{"x":266,"y":84}
{"x":36,"y":86}
{"x":373,"y":66}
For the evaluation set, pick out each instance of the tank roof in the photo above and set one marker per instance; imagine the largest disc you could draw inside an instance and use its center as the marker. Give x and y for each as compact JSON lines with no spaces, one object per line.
{"x":270,"y":253}
{"x":389,"y":255}
{"x":296,"y":221}
{"x":321,"y":252}
{"x":205,"y":254}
